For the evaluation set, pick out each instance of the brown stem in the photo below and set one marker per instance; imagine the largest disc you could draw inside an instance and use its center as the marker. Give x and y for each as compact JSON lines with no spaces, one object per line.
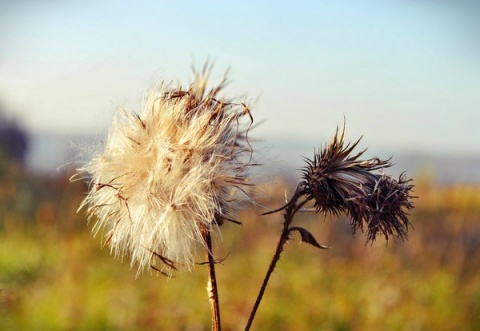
{"x":212,"y":288}
{"x":291,"y":209}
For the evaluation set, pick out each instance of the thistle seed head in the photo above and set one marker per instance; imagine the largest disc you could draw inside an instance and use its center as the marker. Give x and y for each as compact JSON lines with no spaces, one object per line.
{"x":169,"y":172}
{"x":338,"y":181}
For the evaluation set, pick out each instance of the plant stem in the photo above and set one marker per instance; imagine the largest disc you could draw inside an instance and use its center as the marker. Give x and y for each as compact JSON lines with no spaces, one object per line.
{"x":212,"y":288}
{"x":281,"y":242}
{"x":291,"y":209}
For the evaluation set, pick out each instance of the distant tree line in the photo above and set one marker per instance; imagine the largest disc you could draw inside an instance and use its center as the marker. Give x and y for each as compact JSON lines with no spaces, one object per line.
{"x":14,"y":141}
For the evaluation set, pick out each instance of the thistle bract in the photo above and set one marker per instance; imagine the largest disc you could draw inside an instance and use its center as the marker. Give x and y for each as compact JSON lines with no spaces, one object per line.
{"x":338,"y":181}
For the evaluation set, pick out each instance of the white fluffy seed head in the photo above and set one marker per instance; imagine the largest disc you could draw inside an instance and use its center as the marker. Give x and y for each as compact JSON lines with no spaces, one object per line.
{"x":168,"y":174}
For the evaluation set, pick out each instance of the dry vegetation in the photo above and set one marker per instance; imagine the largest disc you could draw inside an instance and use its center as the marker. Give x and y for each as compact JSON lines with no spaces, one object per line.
{"x":55,"y":276}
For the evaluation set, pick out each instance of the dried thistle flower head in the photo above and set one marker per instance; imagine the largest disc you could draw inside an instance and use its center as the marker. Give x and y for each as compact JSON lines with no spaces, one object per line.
{"x":340,"y":182}
{"x":167,"y":173}
{"x":383,"y":207}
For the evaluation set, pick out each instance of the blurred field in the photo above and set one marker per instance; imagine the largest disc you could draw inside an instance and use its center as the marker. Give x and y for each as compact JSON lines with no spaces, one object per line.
{"x":55,"y":276}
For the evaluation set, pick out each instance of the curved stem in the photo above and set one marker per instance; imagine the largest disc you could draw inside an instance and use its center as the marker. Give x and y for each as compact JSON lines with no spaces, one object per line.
{"x":291,"y":208}
{"x":212,"y":288}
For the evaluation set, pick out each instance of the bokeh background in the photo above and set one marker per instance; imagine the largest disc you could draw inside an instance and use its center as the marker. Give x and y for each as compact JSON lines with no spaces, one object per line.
{"x":404,"y":74}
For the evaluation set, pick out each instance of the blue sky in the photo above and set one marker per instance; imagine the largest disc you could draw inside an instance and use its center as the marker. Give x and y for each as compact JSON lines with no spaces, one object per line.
{"x":405,"y":74}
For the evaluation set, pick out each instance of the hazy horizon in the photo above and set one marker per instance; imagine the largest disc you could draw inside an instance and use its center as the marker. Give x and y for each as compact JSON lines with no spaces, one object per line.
{"x":54,"y":153}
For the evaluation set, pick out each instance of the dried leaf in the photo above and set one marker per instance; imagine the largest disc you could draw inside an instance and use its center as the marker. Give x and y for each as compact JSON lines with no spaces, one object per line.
{"x":307,"y":237}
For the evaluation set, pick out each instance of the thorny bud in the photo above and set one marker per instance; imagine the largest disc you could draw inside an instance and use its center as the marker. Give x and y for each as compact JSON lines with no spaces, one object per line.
{"x":169,"y":173}
{"x":340,"y":182}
